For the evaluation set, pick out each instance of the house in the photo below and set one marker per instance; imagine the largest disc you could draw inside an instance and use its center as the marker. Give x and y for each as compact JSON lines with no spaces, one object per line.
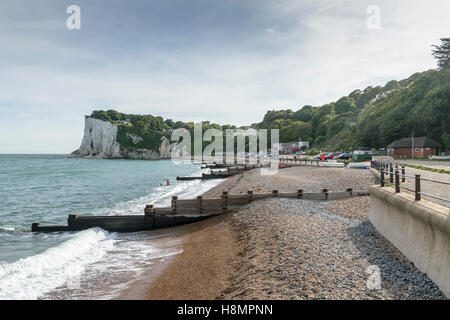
{"x":422,"y":147}
{"x":292,"y":147}
{"x":303,"y":144}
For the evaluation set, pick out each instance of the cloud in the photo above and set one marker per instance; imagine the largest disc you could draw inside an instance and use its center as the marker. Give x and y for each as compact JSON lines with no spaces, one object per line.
{"x":22,"y":115}
{"x":227,"y":64}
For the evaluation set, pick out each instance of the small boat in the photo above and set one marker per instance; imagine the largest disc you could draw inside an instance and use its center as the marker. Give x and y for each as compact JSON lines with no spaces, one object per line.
{"x":331,"y":163}
{"x":358,"y":165}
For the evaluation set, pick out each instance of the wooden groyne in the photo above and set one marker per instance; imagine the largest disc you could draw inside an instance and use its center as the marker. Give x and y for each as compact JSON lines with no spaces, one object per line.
{"x":184,"y":211}
{"x":223,"y":172}
{"x":290,"y":162}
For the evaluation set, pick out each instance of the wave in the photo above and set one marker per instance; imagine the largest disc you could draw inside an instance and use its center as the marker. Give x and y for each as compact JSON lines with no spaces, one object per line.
{"x":31,"y":277}
{"x":7,"y":228}
{"x":95,"y":254}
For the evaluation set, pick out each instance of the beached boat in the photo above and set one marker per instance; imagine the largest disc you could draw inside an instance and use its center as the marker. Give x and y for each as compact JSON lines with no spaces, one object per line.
{"x":359,"y":165}
{"x":331,"y":163}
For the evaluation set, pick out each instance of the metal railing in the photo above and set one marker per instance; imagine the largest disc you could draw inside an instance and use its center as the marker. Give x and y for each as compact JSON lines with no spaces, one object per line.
{"x":394,"y":175}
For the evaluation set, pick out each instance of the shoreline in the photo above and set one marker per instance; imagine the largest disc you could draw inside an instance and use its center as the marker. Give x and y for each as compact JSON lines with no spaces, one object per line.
{"x":289,"y":249}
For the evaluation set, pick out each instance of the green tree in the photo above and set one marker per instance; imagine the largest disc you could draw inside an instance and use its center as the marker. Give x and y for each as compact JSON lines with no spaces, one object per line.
{"x":304,"y":114}
{"x":344,"y":104}
{"x":446,"y":141}
{"x":442,"y":53}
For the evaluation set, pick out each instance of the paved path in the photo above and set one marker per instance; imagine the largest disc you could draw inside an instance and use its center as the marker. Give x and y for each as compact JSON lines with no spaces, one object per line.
{"x":430,"y":163}
{"x":437,"y":189}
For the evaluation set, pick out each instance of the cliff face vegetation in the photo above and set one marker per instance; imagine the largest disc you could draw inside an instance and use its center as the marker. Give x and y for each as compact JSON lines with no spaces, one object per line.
{"x":372,"y":117}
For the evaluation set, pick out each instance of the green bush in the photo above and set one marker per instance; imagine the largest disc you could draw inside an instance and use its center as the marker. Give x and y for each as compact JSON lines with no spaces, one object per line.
{"x":312,"y":152}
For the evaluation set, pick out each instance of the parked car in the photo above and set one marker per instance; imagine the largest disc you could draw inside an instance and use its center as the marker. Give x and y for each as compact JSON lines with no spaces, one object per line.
{"x":330,"y":156}
{"x":344,"y":156}
{"x":318,"y":156}
{"x":300,"y":153}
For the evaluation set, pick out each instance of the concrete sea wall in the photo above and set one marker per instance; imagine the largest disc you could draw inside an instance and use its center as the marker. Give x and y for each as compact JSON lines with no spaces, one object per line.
{"x":419,"y":229}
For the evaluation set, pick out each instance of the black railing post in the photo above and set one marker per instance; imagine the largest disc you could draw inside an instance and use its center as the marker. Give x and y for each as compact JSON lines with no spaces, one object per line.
{"x":417,"y":193}
{"x":403,"y":173}
{"x":397,"y":181}
{"x":391,"y":173}
{"x":382,"y":177}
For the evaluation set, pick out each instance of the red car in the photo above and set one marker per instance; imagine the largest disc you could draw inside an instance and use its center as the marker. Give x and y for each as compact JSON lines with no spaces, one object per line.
{"x":330,"y":156}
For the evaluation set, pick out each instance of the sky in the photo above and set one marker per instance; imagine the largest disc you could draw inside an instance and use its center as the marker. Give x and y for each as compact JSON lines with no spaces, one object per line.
{"x":226,"y":61}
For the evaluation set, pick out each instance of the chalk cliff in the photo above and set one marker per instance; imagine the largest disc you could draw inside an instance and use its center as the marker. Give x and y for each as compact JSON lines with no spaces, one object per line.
{"x":100,"y":141}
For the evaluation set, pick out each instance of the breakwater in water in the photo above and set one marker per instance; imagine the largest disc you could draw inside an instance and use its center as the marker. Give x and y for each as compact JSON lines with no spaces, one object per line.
{"x":47,"y":188}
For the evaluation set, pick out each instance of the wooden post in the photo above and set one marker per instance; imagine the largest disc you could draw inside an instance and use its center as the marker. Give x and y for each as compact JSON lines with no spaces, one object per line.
{"x":250,"y":195}
{"x":325,"y":192}
{"x":275,"y":193}
{"x":224,"y":200}
{"x":200,"y":204}
{"x":299,"y":193}
{"x":349,"y":190}
{"x":150,"y":214}
{"x":174,"y":204}
{"x":382,"y":177}
{"x":417,"y":193}
{"x":403,"y":173}
{"x":148,"y":209}
{"x":397,"y":181}
{"x":73,"y":216}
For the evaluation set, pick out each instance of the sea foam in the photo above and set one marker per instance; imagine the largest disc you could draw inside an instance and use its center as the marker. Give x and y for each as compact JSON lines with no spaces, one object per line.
{"x":31,"y":277}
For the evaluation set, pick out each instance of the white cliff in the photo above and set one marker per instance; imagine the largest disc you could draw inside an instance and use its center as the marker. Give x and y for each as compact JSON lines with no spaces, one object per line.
{"x":100,"y":141}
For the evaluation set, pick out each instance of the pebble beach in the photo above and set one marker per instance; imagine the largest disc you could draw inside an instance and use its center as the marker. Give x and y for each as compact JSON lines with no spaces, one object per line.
{"x":291,"y":248}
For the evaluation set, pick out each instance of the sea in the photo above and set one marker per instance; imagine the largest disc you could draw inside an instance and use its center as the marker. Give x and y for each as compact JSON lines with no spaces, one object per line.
{"x":94,"y":263}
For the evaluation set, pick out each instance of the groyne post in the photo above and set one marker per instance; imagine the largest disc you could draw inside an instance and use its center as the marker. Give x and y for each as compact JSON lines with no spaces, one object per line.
{"x":275,"y":193}
{"x":200,"y":204}
{"x":300,"y":193}
{"x":250,"y":195}
{"x":325,"y":192}
{"x":149,"y":212}
{"x":174,"y":204}
{"x":224,"y":200}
